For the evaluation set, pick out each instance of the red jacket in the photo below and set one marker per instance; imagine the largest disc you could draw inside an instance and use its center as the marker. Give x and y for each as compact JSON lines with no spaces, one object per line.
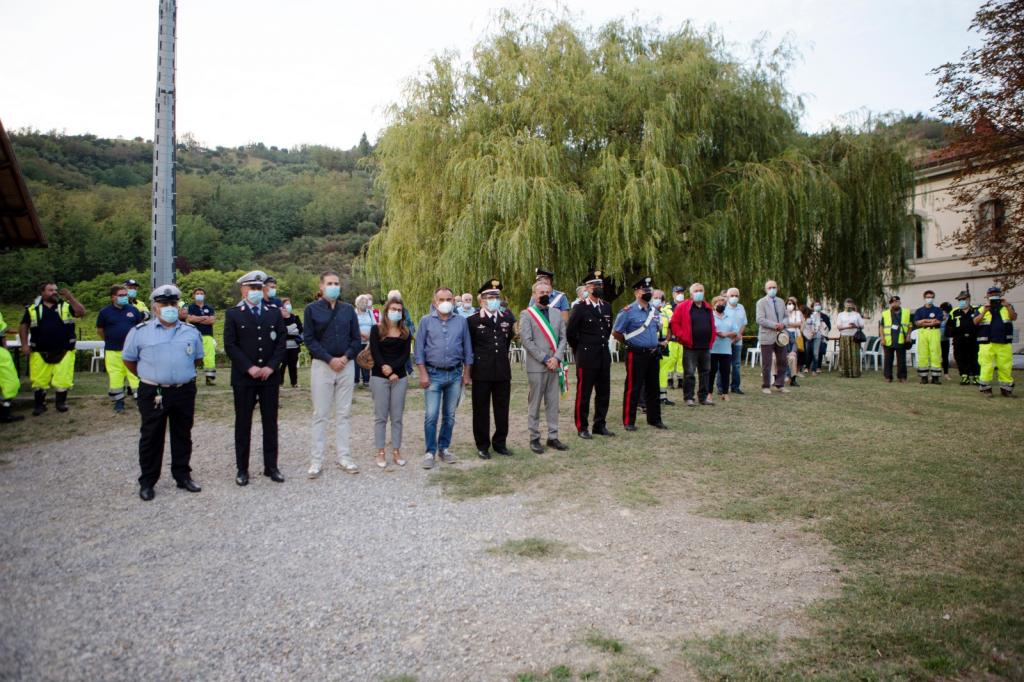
{"x":680,"y":324}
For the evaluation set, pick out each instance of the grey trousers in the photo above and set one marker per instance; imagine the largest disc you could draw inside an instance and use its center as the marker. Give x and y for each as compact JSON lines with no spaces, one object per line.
{"x":388,"y":401}
{"x":543,"y":387}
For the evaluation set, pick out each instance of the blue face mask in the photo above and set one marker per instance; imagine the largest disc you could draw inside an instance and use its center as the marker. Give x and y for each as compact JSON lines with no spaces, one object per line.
{"x":272,"y":292}
{"x":962,"y":304}
{"x":132,"y":293}
{"x":494,"y":304}
{"x":254,"y":296}
{"x":395,"y":315}
{"x":698,"y":296}
{"x":200,"y":298}
{"x":332,"y":291}
{"x":169,"y":313}
{"x":122,"y":300}
{"x":772,"y":292}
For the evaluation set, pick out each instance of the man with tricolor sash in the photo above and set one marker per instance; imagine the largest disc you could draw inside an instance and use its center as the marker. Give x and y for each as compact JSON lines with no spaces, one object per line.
{"x":542,"y":333}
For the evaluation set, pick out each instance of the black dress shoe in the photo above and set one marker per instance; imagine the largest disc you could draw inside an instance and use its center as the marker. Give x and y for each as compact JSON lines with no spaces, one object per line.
{"x":190,"y":485}
{"x":502,"y":450}
{"x":146,"y":493}
{"x":659,"y":425}
{"x":557,"y":444}
{"x":630,"y":427}
{"x":737,"y":391}
{"x":537,"y":447}
{"x":483,"y":454}
{"x":585,"y":435}
{"x":274,"y":475}
{"x":242,"y":478}
{"x":666,"y":401}
{"x":604,"y":432}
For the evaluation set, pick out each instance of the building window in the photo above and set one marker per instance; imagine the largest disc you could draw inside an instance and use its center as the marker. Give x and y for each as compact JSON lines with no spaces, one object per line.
{"x":913,"y":246}
{"x":993,"y":217}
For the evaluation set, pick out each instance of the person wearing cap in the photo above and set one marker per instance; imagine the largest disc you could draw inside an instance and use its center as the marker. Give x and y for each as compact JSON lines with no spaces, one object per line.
{"x":10,"y":384}
{"x":270,"y":293}
{"x":559,"y":301}
{"x":164,"y":353}
{"x":994,"y":323}
{"x":672,"y":365}
{"x":590,"y":326}
{"x":736,"y":312}
{"x":960,"y":329}
{"x":636,"y":326}
{"x":664,"y":338}
{"x":132,"y":287}
{"x":112,"y":325}
{"x":201,"y":315}
{"x":542,"y":334}
{"x":770,"y":314}
{"x":331,"y":331}
{"x":444,"y":356}
{"x":928,"y":320}
{"x":255,"y":339}
{"x":894,"y":328}
{"x":694,"y":325}
{"x":491,"y":332}
{"x":48,"y":330}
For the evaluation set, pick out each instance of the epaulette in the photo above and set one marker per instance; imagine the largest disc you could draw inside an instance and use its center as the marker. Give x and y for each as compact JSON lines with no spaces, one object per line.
{"x":142,"y":324}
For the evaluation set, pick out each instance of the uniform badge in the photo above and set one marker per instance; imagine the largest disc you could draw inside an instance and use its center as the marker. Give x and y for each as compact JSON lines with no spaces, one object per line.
{"x":273,"y":335}
{"x":130,"y":314}
{"x":188,"y":348}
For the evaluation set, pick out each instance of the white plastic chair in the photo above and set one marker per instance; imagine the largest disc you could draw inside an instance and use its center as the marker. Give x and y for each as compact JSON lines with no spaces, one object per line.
{"x":872,"y":352}
{"x":96,"y":360}
{"x":754,"y":355}
{"x":613,"y":348}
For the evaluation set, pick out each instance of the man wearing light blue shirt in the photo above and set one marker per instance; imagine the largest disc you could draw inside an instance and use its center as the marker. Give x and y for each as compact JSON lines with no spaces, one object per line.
{"x":735,"y":311}
{"x":164,"y":353}
{"x":444,"y":354}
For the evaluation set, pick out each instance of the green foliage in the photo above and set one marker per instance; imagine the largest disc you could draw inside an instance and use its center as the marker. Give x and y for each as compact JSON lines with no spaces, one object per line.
{"x":634,"y":150}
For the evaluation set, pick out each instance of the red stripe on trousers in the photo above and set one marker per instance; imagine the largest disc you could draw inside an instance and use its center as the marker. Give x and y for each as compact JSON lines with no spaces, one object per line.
{"x":629,"y":388}
{"x":579,"y":394}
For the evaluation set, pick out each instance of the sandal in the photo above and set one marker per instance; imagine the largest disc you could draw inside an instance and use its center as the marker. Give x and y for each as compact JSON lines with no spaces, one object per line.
{"x":396,"y":456}
{"x":382,"y":460}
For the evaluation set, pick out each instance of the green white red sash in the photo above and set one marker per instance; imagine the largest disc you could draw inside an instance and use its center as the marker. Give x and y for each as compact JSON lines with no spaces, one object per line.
{"x":549,"y":335}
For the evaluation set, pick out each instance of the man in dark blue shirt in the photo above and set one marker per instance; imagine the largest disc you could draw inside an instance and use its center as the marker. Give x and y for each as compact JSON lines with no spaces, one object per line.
{"x":201,"y":316}
{"x":270,"y":293}
{"x":112,"y":325}
{"x":331,"y":332}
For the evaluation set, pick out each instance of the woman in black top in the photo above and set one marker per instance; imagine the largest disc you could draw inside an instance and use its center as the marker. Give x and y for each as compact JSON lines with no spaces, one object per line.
{"x":291,"y":359}
{"x":390,"y":342}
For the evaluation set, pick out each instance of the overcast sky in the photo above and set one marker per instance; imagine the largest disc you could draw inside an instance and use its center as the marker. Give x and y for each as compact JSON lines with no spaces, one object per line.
{"x":288,"y":72}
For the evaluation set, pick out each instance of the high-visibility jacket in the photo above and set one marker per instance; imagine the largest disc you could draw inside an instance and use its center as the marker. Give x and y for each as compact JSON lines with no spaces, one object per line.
{"x":35,"y":312}
{"x":887,"y":326}
{"x":985,"y":325}
{"x":666,"y":318}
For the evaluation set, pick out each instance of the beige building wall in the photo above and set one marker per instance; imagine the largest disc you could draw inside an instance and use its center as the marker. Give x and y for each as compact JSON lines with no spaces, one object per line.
{"x":940,"y":267}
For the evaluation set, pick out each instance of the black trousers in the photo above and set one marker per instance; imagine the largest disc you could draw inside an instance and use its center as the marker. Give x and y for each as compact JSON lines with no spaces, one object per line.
{"x":944,"y":344}
{"x":291,"y":363}
{"x":590,"y":380}
{"x":721,"y":366}
{"x":965,"y":352}
{"x":642,"y":368}
{"x":485,"y":395}
{"x":246,"y":397}
{"x":897,"y":353}
{"x":177,"y":408}
{"x":696,"y":363}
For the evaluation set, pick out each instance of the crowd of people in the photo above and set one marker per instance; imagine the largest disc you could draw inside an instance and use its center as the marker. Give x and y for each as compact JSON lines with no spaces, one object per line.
{"x":153,"y":353}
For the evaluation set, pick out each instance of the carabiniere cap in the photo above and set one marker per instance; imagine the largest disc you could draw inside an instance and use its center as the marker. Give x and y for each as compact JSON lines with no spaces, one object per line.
{"x":644,"y":283}
{"x":491,"y":286}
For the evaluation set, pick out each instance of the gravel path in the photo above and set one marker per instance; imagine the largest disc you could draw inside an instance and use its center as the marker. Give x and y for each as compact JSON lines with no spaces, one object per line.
{"x":353,"y":577}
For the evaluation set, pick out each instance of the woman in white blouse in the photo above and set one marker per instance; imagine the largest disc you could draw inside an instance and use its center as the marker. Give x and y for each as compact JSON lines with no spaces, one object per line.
{"x":849,"y":322}
{"x":794,"y":325}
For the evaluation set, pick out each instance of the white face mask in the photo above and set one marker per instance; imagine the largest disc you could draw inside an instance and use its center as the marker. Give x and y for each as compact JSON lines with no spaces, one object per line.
{"x":445,"y":307}
{"x":656,"y":302}
{"x":733,"y":300}
{"x":680,"y":298}
{"x":790,"y":307}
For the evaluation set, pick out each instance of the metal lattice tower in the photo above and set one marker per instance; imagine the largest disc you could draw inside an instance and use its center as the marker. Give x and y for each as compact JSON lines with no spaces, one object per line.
{"x":164,"y":151}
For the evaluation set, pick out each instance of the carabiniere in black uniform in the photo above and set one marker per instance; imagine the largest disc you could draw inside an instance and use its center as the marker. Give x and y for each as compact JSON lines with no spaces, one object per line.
{"x":255,"y":336}
{"x":491,"y":331}
{"x":590,"y":325}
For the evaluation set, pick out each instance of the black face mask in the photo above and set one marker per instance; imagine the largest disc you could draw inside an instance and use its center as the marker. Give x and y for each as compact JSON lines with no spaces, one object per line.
{"x":598,"y":292}
{"x":544,"y":300}
{"x":647,"y":296}
{"x":720,"y":308}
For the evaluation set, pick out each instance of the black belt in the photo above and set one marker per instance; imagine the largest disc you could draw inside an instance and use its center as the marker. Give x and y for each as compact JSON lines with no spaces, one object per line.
{"x":156,"y":385}
{"x":638,"y":349}
{"x":443,"y":369}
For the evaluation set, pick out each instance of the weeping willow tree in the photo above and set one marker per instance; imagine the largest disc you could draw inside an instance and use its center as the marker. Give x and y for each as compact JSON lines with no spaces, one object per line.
{"x":632,"y":150}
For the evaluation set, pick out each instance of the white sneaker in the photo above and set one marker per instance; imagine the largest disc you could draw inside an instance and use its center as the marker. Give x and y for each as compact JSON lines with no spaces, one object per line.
{"x":783,"y":390}
{"x":428,"y":460}
{"x":766,"y":391}
{"x":348,"y":466}
{"x":314,"y":471}
{"x":448,"y":457}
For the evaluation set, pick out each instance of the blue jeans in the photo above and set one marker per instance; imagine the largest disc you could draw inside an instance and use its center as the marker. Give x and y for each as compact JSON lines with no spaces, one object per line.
{"x":446,"y":386}
{"x":737,"y":362}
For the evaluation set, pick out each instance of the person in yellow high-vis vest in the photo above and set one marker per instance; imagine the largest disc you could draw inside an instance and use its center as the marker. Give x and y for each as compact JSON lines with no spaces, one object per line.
{"x":48,"y":330}
{"x":132,"y":286}
{"x":928,"y":320}
{"x":894,"y":328}
{"x":674,"y":361}
{"x":994,"y":325}
{"x":664,"y":336}
{"x":112,"y":325}
{"x":10,"y":384}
